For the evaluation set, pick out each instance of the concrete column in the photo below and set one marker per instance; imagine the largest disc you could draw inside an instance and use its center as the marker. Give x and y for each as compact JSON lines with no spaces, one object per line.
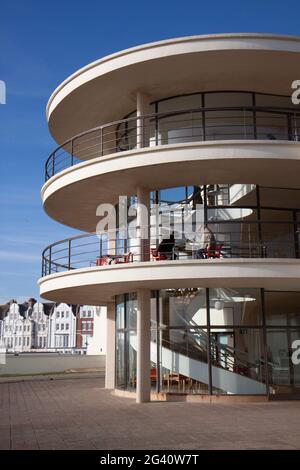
{"x":143,"y":223}
{"x":142,"y":108}
{"x":110,"y":363}
{"x":143,"y":383}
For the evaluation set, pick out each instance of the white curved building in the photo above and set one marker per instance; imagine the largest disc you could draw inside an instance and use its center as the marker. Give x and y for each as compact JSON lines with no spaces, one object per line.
{"x":201,"y":136}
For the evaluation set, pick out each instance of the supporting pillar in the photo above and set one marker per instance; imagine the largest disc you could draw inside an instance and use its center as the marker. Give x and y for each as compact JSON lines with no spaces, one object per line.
{"x":143,"y":223}
{"x":142,"y":108}
{"x":110,"y":362}
{"x":143,"y":383}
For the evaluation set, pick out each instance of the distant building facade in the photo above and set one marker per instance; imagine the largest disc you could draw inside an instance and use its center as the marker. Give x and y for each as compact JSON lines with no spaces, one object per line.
{"x":62,"y":327}
{"x":35,"y":327}
{"x":85,"y":325}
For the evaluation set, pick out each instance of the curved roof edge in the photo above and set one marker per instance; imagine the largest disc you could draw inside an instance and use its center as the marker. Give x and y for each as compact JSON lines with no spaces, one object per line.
{"x":166,"y":42}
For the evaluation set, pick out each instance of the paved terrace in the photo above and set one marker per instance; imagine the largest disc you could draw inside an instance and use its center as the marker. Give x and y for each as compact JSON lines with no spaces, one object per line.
{"x":78,"y":413}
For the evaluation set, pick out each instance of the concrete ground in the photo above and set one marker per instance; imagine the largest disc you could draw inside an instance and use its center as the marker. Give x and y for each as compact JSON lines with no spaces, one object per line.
{"x":78,"y":413}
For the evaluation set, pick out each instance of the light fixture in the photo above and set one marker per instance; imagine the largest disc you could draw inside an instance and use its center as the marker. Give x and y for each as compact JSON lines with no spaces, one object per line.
{"x":219,"y":304}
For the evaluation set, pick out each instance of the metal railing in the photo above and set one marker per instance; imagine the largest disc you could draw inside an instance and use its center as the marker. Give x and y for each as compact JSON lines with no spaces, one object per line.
{"x":89,"y":250}
{"x":189,"y":125}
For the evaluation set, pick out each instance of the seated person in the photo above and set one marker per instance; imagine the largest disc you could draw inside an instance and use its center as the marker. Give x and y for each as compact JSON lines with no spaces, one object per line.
{"x":166,"y":247}
{"x":205,"y":241}
{"x":196,"y":196}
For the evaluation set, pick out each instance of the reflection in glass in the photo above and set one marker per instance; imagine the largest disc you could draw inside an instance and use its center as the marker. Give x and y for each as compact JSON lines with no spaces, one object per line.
{"x":131,"y":311}
{"x":183,"y":307}
{"x":131,"y":362}
{"x":238,"y":365}
{"x":120,"y":360}
{"x":235,"y":306}
{"x":120,"y":312}
{"x":284,"y":373}
{"x":282,"y":308}
{"x":184,"y":361}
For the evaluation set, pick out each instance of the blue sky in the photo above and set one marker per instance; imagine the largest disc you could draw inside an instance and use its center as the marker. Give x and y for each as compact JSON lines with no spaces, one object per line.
{"x":41,"y":43}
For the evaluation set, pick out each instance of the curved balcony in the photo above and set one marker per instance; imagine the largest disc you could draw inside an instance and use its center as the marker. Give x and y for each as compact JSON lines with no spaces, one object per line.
{"x":194,"y":125}
{"x":232,"y":239}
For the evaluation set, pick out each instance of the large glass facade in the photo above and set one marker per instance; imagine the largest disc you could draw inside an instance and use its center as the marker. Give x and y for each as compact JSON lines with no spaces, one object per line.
{"x":245,"y":220}
{"x":213,"y":115}
{"x":232,"y":341}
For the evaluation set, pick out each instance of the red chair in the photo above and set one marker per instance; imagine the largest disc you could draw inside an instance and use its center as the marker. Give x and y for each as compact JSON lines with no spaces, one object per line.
{"x":102,"y":260}
{"x":153,"y":374}
{"x":127,"y":258}
{"x":214,"y":251}
{"x":156,"y":255}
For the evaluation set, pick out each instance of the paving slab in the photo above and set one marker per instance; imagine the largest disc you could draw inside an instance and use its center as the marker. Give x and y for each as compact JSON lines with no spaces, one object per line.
{"x":78,"y":414}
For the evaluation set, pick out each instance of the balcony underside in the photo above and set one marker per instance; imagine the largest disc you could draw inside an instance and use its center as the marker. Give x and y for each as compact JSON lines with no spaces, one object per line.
{"x":72,"y":196}
{"x":104,"y":90}
{"x":98,"y":285}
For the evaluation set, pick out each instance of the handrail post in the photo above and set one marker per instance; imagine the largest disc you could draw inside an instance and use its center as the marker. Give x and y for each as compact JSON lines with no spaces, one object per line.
{"x":53,"y":164}
{"x":142,"y":105}
{"x":101,"y":142}
{"x":69,"y":254}
{"x":50,"y":260}
{"x":72,"y":152}
{"x":295,"y":128}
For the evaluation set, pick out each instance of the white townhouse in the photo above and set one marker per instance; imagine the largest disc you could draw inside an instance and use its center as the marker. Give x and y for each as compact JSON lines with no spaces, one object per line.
{"x":36,"y":312}
{"x":18,"y":329}
{"x":62,"y":327}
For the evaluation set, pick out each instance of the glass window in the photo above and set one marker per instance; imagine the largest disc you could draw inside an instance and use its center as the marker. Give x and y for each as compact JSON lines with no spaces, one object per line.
{"x":231,"y":213}
{"x":120,"y":359}
{"x":120,"y":312}
{"x":228,"y":124}
{"x":238,"y":365}
{"x":282,"y":308}
{"x":184,"y":360}
{"x":62,"y":326}
{"x":180,"y":103}
{"x":131,"y":310}
{"x":279,"y":198}
{"x":273,"y":100}
{"x":272,"y":126}
{"x":235,"y":307}
{"x":131,"y":360}
{"x":236,"y":240}
{"x":227,"y":99}
{"x":183,"y":307}
{"x":278,"y":240}
{"x":283,"y":359}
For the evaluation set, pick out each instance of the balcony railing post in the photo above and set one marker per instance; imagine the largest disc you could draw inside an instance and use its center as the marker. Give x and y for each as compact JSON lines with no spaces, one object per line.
{"x":53,"y":164}
{"x":203,"y":118}
{"x":254,"y":116}
{"x":69,"y":254}
{"x":72,"y":152}
{"x":50,"y":260}
{"x":295,"y":128}
{"x":101,"y":142}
